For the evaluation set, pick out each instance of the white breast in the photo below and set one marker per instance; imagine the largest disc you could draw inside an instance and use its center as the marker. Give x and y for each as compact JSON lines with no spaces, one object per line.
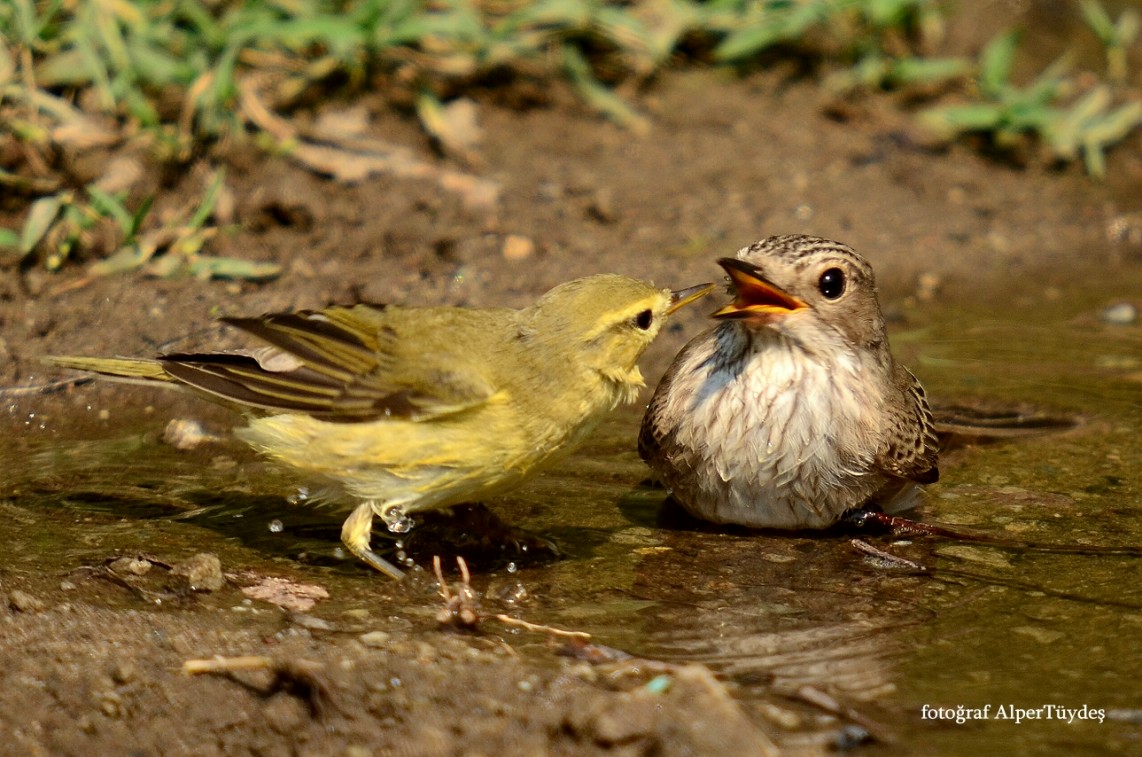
{"x":778,"y":439}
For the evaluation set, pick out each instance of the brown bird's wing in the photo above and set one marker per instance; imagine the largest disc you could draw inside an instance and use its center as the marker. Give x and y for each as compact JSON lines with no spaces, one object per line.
{"x":339,"y":364}
{"x":911,"y":449}
{"x":650,"y":433}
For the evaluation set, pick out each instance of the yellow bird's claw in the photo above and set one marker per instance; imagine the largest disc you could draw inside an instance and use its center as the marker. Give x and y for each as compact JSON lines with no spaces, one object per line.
{"x":356,"y":534}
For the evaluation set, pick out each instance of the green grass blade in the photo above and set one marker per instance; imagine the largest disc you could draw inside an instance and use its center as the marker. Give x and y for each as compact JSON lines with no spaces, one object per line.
{"x":603,"y":99}
{"x":209,"y":200}
{"x":929,"y":70}
{"x":1098,"y":20}
{"x":233,"y":268}
{"x":995,"y":64}
{"x":108,"y":205}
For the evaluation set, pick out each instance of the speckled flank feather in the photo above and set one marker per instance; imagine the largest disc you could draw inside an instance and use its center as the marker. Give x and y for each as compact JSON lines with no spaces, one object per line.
{"x":790,"y":421}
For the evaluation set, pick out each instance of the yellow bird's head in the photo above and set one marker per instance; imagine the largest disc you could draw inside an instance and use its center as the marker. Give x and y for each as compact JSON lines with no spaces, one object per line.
{"x":604,"y":323}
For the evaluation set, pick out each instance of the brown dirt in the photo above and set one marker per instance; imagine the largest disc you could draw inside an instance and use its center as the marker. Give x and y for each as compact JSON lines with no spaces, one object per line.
{"x":96,"y":670}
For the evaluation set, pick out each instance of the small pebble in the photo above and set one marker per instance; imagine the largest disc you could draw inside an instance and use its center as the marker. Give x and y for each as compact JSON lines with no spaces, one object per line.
{"x":1120,"y":314}
{"x":123,"y":672}
{"x":132,"y":565}
{"x":928,"y":286}
{"x":111,"y":704}
{"x":22,"y":601}
{"x":602,"y":206}
{"x":517,"y":247}
{"x":850,"y":737}
{"x":203,"y":572}
{"x":375,"y":639}
{"x":310,"y":622}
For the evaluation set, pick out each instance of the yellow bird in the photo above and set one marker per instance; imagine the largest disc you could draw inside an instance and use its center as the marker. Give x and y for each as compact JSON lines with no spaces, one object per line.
{"x":407,"y":409}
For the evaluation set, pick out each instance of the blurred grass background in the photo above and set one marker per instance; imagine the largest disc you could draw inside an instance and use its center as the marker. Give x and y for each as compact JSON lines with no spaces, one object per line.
{"x":177,"y":76}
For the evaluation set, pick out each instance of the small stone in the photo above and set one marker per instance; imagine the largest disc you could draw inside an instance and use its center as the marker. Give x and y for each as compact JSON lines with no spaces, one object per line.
{"x":132,"y":565}
{"x":602,"y":206}
{"x":928,"y":286}
{"x":517,"y":247}
{"x":375,"y":639}
{"x":22,"y":601}
{"x":111,"y":705}
{"x":1120,"y":314}
{"x":123,"y":672}
{"x":310,"y":622}
{"x":781,"y":717}
{"x":203,"y":572}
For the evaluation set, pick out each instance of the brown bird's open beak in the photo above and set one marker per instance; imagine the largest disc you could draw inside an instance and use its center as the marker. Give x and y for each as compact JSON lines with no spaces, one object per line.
{"x":682,"y":297}
{"x":756,"y":296}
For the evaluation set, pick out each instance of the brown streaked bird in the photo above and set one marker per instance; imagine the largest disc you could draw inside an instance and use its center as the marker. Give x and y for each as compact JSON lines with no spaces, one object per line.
{"x":406,"y":409}
{"x":791,"y":412}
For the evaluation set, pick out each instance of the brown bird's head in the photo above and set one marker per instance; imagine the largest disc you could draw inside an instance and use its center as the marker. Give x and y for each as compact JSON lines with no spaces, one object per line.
{"x":798,"y":285}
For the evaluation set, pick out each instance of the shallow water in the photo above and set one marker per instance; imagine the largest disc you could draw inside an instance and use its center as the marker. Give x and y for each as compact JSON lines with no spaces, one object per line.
{"x":800,"y":625}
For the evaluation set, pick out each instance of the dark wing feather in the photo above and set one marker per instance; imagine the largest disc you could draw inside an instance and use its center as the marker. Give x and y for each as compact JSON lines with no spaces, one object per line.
{"x":911,"y":449}
{"x":325,"y":345}
{"x":343,"y":364}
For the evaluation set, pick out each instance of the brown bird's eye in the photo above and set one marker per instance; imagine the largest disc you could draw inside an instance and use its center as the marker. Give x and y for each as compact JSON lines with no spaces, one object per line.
{"x":644,"y":319}
{"x":832,"y":283}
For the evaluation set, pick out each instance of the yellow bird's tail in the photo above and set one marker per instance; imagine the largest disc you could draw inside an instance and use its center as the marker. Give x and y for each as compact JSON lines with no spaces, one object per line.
{"x":123,"y":369}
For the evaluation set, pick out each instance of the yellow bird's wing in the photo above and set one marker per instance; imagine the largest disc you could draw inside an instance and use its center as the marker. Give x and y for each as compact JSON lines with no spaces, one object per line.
{"x":341,"y":364}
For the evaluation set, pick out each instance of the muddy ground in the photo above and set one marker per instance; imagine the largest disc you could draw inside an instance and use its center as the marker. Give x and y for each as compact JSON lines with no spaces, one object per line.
{"x":93,"y":660}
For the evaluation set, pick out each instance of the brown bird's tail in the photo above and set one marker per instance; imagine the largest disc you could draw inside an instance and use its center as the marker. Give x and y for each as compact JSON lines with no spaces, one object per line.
{"x":122,"y":369}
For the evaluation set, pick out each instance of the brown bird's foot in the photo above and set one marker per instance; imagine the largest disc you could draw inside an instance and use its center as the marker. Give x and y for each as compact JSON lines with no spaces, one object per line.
{"x":872,"y":517}
{"x":478,"y":534}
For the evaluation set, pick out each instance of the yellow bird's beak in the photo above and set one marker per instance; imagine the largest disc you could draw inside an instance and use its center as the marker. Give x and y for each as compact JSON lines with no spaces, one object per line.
{"x":683,"y":297}
{"x":757,"y":297}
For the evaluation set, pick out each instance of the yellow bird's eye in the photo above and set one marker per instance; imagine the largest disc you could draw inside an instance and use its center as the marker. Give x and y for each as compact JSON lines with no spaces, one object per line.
{"x":644,"y":319}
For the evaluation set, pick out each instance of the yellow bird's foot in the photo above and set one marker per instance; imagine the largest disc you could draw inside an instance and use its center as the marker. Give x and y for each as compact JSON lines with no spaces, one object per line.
{"x":356,"y":534}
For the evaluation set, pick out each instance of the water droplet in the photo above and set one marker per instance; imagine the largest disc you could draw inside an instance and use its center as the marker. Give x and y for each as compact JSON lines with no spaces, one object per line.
{"x":516,"y":593}
{"x":276,"y":526}
{"x":299,"y":497}
{"x":512,"y":567}
{"x":396,"y":520}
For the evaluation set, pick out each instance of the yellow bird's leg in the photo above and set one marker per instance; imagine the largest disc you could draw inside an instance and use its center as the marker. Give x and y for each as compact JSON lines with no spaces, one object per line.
{"x":356,"y":534}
